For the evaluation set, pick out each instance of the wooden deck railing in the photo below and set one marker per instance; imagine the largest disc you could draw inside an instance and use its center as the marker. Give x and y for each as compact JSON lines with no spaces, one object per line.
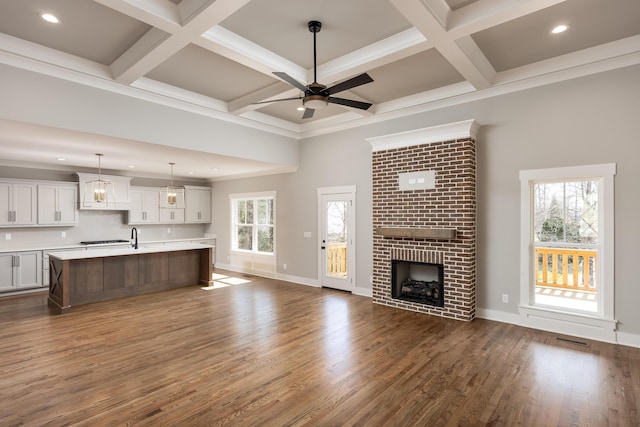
{"x":573,"y":269}
{"x":337,"y":259}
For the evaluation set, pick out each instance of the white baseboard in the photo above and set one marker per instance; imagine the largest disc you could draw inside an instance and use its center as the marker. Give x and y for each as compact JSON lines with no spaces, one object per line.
{"x":239,"y":269}
{"x":363,"y":292}
{"x":498,"y":316}
{"x":631,"y":340}
{"x":299,"y":280}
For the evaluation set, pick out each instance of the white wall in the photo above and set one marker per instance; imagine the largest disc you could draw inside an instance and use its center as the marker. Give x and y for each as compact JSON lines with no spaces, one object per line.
{"x":584,"y":121}
{"x":44,"y":100}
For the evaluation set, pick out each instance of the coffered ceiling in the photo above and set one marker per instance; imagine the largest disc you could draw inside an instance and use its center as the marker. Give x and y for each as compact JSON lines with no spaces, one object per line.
{"x":220,"y":55}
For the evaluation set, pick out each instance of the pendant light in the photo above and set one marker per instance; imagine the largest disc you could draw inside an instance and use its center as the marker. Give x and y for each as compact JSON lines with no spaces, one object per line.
{"x":174,"y":191}
{"x":101,"y":189}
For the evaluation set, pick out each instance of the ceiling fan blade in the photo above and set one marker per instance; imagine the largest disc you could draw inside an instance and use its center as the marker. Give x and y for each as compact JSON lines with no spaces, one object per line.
{"x":351,"y":83}
{"x":293,"y":82}
{"x":277,"y":100}
{"x":308,"y":113}
{"x":350,"y":103}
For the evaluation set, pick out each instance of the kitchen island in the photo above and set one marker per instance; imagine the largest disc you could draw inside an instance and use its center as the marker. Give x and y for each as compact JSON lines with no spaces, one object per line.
{"x":82,"y":277}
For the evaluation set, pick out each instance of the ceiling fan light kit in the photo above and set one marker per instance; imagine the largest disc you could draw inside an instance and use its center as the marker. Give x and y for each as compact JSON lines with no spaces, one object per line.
{"x":318,"y":96}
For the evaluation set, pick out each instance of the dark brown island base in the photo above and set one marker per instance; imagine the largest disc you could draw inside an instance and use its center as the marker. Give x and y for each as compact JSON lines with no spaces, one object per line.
{"x":86,"y":276}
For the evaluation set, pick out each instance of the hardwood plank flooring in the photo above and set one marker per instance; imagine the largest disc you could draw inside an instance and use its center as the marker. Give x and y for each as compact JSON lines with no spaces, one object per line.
{"x":272,"y":353}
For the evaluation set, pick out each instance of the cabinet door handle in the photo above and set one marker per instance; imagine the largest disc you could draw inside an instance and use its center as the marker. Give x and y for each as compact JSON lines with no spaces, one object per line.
{"x":17,"y":261}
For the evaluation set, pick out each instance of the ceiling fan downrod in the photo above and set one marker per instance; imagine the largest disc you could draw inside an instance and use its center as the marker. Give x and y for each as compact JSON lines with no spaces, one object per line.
{"x":314,"y":27}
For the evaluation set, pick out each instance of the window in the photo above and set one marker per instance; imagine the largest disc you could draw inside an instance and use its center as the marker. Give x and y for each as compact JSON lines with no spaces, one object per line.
{"x":567,"y":248}
{"x":565,"y":237}
{"x":253,"y":222}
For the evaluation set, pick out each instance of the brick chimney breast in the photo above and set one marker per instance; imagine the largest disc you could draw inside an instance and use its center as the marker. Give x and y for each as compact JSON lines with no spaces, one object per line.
{"x":441,"y":207}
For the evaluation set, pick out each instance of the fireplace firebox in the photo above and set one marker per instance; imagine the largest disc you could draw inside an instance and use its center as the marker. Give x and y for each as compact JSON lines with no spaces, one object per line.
{"x":417,"y":282}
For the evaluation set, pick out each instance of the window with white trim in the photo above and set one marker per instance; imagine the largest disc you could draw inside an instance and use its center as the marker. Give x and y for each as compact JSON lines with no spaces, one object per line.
{"x":253,"y":222}
{"x":567,"y":240}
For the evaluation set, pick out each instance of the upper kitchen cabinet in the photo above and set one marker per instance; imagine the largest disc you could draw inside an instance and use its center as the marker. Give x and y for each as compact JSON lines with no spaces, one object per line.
{"x":197,"y":204}
{"x":144,"y":205}
{"x":57,"y":204}
{"x":117,"y":200}
{"x":18,"y":203}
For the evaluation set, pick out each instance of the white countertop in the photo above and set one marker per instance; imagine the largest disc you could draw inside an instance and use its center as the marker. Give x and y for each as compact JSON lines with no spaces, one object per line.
{"x":78,"y":246}
{"x":102,"y":253}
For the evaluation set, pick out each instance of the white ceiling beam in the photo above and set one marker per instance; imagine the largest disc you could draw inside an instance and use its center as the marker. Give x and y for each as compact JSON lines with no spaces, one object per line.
{"x":238,"y":49}
{"x":485,"y":14}
{"x":156,"y":47}
{"x":391,"y":49}
{"x":160,"y":14}
{"x":464,"y":57}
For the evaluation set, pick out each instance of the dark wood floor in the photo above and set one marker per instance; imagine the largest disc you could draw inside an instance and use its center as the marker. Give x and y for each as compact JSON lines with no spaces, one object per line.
{"x":272,"y":353}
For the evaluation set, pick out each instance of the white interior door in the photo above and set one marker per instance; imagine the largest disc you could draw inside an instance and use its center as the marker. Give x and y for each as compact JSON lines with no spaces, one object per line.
{"x":337,"y":238}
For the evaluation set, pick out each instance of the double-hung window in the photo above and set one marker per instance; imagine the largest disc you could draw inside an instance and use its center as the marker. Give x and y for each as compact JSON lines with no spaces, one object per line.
{"x":566,"y":281}
{"x":253,"y":222}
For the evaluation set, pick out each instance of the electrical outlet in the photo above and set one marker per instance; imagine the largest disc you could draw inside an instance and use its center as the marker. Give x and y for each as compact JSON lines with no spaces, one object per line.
{"x":168,"y":230}
{"x":505,"y":298}
{"x":7,"y":236}
{"x":284,"y":266}
{"x":63,"y":234}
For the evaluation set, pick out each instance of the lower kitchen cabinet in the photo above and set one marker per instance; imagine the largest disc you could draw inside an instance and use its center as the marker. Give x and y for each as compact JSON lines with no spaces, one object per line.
{"x":20,"y":270}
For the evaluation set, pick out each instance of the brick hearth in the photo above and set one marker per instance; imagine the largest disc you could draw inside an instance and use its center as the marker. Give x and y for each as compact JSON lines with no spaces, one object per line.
{"x":450,"y":205}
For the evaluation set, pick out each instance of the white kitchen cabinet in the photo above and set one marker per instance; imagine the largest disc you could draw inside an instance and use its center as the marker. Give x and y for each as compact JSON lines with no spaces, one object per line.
{"x":18,"y":202}
{"x":118,"y":200}
{"x":197,"y":204}
{"x":20,"y":270}
{"x":171,"y":216}
{"x":57,"y":204}
{"x":144,"y":205}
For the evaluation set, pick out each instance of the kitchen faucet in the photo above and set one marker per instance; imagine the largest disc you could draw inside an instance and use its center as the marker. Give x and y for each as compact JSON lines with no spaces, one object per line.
{"x":134,"y":231}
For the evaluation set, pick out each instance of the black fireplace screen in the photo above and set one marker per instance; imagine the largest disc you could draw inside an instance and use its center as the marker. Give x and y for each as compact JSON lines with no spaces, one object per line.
{"x":417,"y":282}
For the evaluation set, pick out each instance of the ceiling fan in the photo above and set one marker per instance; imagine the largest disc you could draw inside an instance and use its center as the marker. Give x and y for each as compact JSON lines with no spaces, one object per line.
{"x":317,"y":95}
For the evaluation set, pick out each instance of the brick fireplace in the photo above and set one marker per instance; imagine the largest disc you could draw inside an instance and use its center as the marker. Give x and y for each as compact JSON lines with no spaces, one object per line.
{"x":424,"y":211}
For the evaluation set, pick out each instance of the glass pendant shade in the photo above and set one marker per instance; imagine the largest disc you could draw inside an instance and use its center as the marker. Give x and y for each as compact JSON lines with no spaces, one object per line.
{"x":102,"y":190}
{"x":173,"y":191}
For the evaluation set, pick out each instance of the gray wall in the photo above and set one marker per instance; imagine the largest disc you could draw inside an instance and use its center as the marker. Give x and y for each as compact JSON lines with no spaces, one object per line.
{"x":584,"y":121}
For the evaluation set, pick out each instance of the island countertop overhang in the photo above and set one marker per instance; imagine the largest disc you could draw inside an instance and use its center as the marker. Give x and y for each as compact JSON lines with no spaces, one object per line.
{"x":104,"y":253}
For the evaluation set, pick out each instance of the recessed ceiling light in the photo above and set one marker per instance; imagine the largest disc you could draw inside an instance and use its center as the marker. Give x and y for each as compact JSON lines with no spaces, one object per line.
{"x":49,"y":17}
{"x":215,"y":169}
{"x":61,"y":159}
{"x":190,"y":173}
{"x":560,"y":29}
{"x":301,"y":108}
{"x":131,"y":166}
